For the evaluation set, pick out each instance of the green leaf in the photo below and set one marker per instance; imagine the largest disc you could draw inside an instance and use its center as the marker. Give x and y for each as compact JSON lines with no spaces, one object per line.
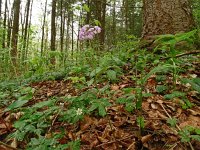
{"x":174,"y":94}
{"x":16,"y":104}
{"x":86,"y":8}
{"x":102,"y":110}
{"x":93,"y":107}
{"x":160,"y":68}
{"x":195,"y":83}
{"x":185,"y":135}
{"x":147,"y":95}
{"x":161,"y":88}
{"x":100,"y":105}
{"x":140,"y":122}
{"x":128,"y":90}
{"x":195,"y":137}
{"x":129,"y":107}
{"x":112,"y":75}
{"x":197,"y":130}
{"x":97,"y":22}
{"x":89,"y":83}
{"x":74,"y":145}
{"x":42,"y":104}
{"x":96,"y":71}
{"x":25,"y":97}
{"x":172,"y":121}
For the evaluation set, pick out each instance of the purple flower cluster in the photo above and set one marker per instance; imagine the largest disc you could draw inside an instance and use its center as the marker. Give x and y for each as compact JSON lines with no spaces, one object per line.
{"x":88,"y":32}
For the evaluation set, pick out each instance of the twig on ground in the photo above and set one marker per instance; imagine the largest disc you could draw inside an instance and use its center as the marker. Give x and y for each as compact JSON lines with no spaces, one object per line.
{"x":54,"y":121}
{"x":183,"y":54}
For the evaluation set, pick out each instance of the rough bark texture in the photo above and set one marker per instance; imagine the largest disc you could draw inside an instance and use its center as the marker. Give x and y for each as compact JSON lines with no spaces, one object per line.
{"x":166,"y":17}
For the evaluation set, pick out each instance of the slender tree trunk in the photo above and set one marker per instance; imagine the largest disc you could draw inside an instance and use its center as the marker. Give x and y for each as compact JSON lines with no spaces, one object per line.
{"x":126,"y":14}
{"x":72,"y":33}
{"x":0,"y":10}
{"x":132,"y":17}
{"x":88,"y":17}
{"x":114,"y":23}
{"x":67,"y":34}
{"x":9,"y":28}
{"x":15,"y":32}
{"x":103,"y":23}
{"x":46,"y":38}
{"x":166,"y":17}
{"x":28,"y":33}
{"x":61,"y":26}
{"x":26,"y":20}
{"x":43,"y":26}
{"x":4,"y":25}
{"x":53,"y":29}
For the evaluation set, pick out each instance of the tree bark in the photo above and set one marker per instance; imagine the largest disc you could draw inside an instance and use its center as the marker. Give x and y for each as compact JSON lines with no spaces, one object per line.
{"x":53,"y":29}
{"x":15,"y":30}
{"x":166,"y":17}
{"x":102,"y":19}
{"x":29,"y":26}
{"x":43,"y":26}
{"x":61,"y":26}
{"x":114,"y":23}
{"x":26,"y":29}
{"x":4,"y":25}
{"x":0,"y":9}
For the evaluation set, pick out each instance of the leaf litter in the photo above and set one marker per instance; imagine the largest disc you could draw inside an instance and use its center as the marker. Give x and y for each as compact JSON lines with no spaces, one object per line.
{"x":118,"y":130}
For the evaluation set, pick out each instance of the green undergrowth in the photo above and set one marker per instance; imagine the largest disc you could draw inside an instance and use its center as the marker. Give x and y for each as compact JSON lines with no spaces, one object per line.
{"x":96,"y":73}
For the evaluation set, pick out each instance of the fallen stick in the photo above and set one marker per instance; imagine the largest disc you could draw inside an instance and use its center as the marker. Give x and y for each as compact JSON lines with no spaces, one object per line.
{"x":183,"y":54}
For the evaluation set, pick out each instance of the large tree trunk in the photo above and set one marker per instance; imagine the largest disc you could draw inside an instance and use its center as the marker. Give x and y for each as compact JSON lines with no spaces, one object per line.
{"x":166,"y":17}
{"x":15,"y":32}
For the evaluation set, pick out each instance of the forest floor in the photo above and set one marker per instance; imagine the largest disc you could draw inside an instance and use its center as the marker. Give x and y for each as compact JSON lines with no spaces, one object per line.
{"x":164,"y":122}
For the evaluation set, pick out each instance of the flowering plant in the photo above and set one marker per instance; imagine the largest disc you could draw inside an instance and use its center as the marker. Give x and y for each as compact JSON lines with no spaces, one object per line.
{"x":88,"y":32}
